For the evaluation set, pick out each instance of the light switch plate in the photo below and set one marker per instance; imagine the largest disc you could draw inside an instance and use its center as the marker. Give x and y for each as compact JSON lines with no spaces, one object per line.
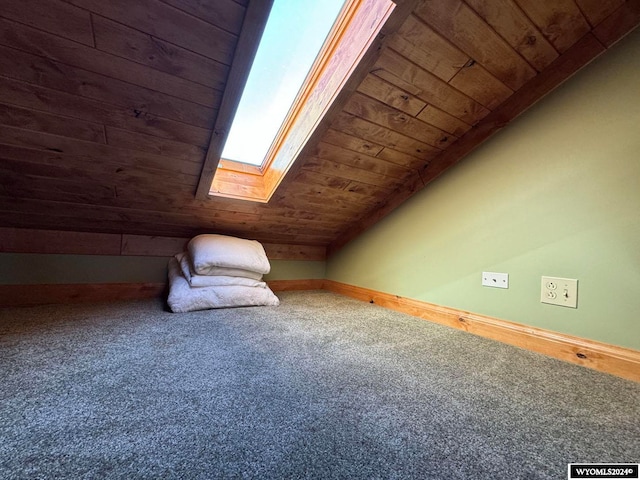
{"x":497,"y":280}
{"x":559,"y":291}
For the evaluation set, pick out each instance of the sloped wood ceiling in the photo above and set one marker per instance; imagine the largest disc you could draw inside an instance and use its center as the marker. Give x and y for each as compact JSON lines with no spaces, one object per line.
{"x":107,"y":109}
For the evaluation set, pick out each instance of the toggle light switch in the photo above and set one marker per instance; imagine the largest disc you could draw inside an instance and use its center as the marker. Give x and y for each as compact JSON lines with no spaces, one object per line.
{"x":497,"y":280}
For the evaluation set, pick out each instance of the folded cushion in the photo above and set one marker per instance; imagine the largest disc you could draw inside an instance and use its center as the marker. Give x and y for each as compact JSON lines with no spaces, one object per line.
{"x":246,"y":278}
{"x":210,"y":251}
{"x":183,"y":298}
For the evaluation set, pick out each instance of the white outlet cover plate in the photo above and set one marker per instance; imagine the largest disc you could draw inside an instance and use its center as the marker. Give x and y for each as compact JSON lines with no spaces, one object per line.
{"x":559,"y":291}
{"x":496,"y":280}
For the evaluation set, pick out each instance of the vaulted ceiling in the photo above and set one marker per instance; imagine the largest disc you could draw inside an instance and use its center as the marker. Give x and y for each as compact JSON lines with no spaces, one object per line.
{"x":107,"y":109}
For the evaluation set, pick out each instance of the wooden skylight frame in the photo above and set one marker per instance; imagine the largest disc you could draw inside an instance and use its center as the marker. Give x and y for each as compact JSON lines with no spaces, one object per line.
{"x":356,"y":28}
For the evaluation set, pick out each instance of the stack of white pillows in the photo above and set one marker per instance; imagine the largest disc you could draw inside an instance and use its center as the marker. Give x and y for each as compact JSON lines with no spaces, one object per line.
{"x":219,"y":271}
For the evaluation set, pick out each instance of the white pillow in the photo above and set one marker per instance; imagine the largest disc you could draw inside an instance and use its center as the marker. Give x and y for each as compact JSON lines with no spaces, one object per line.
{"x":210,"y":252}
{"x":183,"y":298}
{"x":224,"y":276}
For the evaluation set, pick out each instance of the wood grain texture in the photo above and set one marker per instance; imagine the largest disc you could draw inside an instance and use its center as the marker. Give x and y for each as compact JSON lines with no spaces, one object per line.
{"x":17,"y":240}
{"x":564,"y":67}
{"x":83,"y":83}
{"x":426,"y":48}
{"x":369,"y":131}
{"x":120,"y":176}
{"x":599,"y":356}
{"x":129,"y":140}
{"x":385,"y":116}
{"x":23,"y":240}
{"x":619,"y":361}
{"x":458,"y":22}
{"x":183,"y":170}
{"x":477,"y":83}
{"x":360,"y":160}
{"x":294,"y":252}
{"x":117,"y":39}
{"x":53,"y":47}
{"x":597,"y":10}
{"x":374,"y":215}
{"x":349,"y":199}
{"x":53,"y":16}
{"x":335,"y":137}
{"x":561,"y":21}
{"x":225,"y":14}
{"x":176,"y":222}
{"x":248,"y":41}
{"x":349,"y":172}
{"x":355,"y":37}
{"x":405,"y":159}
{"x":390,"y":95}
{"x":112,"y":113}
{"x":28,"y":119}
{"x":397,"y":70}
{"x":60,"y":103}
{"x":510,"y":22}
{"x":169,"y":23}
{"x":619,"y":23}
{"x":402,"y":9}
{"x":443,"y":121}
{"x":155,"y":246}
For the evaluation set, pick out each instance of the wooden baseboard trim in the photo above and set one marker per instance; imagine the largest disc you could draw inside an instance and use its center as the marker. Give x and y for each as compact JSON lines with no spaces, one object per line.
{"x":619,"y":361}
{"x":29,"y":295}
{"x":285,"y":285}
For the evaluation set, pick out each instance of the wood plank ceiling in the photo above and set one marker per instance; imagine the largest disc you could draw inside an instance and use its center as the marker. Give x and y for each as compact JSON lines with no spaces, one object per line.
{"x":107,"y":109}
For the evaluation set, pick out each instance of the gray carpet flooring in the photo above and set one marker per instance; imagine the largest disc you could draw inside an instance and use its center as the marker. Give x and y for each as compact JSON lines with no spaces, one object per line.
{"x":322,"y":386}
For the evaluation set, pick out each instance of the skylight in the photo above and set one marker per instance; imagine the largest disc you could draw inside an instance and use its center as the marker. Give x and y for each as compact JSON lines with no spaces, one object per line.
{"x":272,"y":127}
{"x":293,"y":37}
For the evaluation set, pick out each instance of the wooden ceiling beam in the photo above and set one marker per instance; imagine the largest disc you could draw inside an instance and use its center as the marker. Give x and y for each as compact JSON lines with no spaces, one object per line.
{"x":252,"y":27}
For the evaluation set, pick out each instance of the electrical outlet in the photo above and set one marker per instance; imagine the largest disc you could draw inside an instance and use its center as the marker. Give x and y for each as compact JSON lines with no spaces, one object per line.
{"x":559,"y":291}
{"x":497,"y":280}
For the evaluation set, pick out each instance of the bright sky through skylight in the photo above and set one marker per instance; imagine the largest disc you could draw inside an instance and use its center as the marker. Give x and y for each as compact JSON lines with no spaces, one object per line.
{"x":293,"y":37}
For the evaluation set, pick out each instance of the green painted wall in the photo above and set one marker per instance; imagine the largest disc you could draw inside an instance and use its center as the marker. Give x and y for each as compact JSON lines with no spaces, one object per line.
{"x":296,"y":270}
{"x":556,"y":193}
{"x":28,"y":269}
{"x":33,"y":268}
